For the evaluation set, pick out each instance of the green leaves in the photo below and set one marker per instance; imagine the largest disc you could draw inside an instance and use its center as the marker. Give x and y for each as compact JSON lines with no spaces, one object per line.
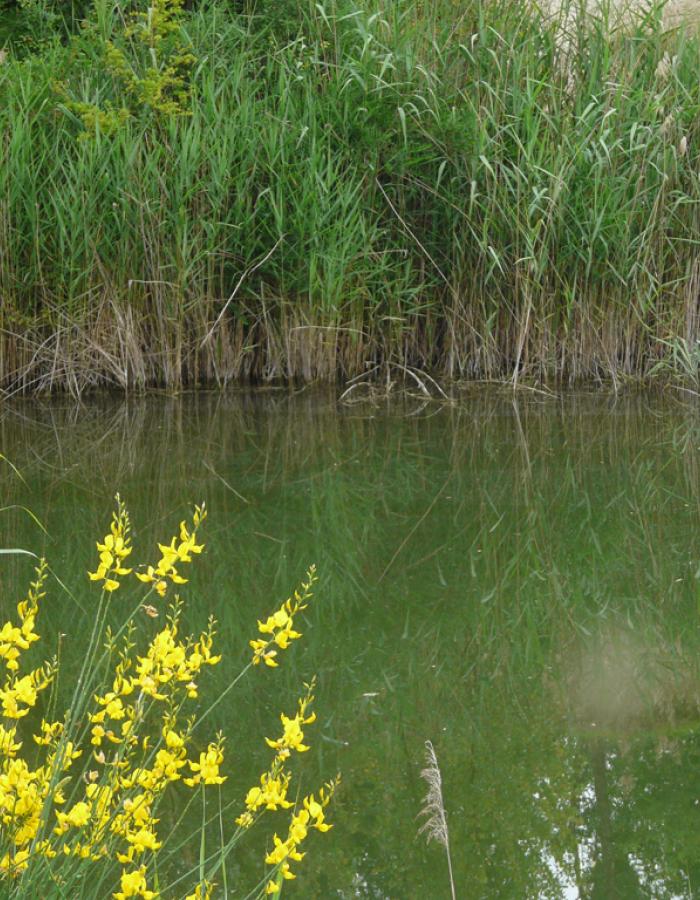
{"x":145,"y":65}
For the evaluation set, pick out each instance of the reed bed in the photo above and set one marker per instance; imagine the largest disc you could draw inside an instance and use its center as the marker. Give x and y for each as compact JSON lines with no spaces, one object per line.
{"x":360,"y":183}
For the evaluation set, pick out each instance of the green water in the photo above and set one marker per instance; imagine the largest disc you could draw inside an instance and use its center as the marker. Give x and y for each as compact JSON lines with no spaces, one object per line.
{"x":515,"y":581}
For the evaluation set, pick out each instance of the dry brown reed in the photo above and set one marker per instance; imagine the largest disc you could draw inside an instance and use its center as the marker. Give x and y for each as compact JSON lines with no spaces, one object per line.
{"x":435,"y":825}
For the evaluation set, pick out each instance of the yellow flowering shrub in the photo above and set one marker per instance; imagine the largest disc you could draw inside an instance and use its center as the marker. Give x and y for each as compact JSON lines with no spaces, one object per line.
{"x":148,"y":61}
{"x":80,"y":812}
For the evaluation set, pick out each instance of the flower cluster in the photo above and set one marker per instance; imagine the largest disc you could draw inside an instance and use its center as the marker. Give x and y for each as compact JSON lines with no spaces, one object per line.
{"x":16,"y":638}
{"x":177,"y":551}
{"x":310,"y":815}
{"x":168,"y":667}
{"x":19,"y":693}
{"x":280,"y":625}
{"x":24,"y":790}
{"x":206,"y":771}
{"x":113,"y":550}
{"x":271,"y":793}
{"x":116,"y":814}
{"x":133,"y":884}
{"x":293,"y":734}
{"x":129,"y":727}
{"x":273,"y":789}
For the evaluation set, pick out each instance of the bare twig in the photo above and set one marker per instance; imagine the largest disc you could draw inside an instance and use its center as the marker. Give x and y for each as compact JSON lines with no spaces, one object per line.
{"x":357,"y":381}
{"x":243,"y":277}
{"x":213,"y":471}
{"x":413,"y":375}
{"x":434,"y":383}
{"x":413,"y":530}
{"x":346,"y":393}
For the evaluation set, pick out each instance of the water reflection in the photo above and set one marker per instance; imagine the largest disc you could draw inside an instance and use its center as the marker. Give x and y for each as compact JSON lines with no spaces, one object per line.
{"x":514,"y":580}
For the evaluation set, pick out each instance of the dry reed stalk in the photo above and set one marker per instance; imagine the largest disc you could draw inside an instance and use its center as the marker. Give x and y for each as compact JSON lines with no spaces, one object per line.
{"x":435,"y":825}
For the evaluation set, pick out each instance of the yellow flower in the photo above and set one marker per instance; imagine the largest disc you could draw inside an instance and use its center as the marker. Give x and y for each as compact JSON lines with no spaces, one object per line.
{"x":260,"y":652}
{"x":293,"y":734}
{"x":8,"y":747}
{"x":173,"y":740}
{"x":245,"y":820}
{"x":49,"y":733}
{"x":280,"y":624}
{"x":177,"y":551}
{"x":167,"y":765}
{"x":271,"y":794}
{"x":311,"y":815}
{"x":78,"y":816}
{"x":207,"y":769}
{"x":16,"y":863}
{"x":14,"y":639}
{"x":24,"y":690}
{"x":133,"y":884}
{"x":143,"y":839}
{"x":201,"y":892}
{"x":113,"y":550}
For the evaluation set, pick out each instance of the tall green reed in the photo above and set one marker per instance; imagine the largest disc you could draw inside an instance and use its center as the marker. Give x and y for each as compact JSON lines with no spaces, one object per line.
{"x":500,"y":194}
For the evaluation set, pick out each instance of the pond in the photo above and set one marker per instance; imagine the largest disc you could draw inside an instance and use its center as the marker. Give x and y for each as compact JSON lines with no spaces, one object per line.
{"x":513,"y":578}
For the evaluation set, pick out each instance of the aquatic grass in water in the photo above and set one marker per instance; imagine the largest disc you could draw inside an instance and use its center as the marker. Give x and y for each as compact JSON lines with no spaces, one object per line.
{"x":82,"y":814}
{"x":381,"y":184}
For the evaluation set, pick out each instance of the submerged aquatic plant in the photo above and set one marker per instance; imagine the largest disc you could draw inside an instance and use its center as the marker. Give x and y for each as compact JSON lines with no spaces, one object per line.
{"x":83,"y":815}
{"x":435,"y":825}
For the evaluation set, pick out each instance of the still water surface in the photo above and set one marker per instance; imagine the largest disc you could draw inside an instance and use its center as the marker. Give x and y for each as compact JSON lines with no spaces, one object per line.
{"x":514,"y":580}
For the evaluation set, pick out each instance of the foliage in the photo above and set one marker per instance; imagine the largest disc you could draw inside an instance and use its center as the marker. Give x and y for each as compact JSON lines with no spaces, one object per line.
{"x":81,"y":815}
{"x":147,"y":62}
{"x":499,"y":195}
{"x":24,"y":18}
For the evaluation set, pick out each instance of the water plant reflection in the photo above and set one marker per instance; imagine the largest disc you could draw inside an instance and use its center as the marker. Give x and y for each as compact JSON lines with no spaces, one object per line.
{"x":566,"y":536}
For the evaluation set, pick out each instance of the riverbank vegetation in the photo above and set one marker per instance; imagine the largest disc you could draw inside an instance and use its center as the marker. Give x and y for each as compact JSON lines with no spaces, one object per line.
{"x":307,"y":191}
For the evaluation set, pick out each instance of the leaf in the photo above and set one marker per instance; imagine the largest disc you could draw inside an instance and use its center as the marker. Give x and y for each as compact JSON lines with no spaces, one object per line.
{"x":14,"y":468}
{"x":31,"y":515}
{"x":402,"y":116}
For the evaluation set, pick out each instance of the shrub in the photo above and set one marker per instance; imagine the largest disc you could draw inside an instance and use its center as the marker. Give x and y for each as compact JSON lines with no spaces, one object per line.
{"x":145,"y":62}
{"x":81,"y":814}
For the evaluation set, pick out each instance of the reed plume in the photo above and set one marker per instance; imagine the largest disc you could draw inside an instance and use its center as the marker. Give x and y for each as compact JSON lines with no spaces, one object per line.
{"x":435,"y":825}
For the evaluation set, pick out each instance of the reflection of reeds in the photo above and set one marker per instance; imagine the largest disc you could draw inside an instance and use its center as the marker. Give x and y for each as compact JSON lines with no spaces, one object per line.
{"x":550,"y":527}
{"x":466,"y":501}
{"x":435,"y":825}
